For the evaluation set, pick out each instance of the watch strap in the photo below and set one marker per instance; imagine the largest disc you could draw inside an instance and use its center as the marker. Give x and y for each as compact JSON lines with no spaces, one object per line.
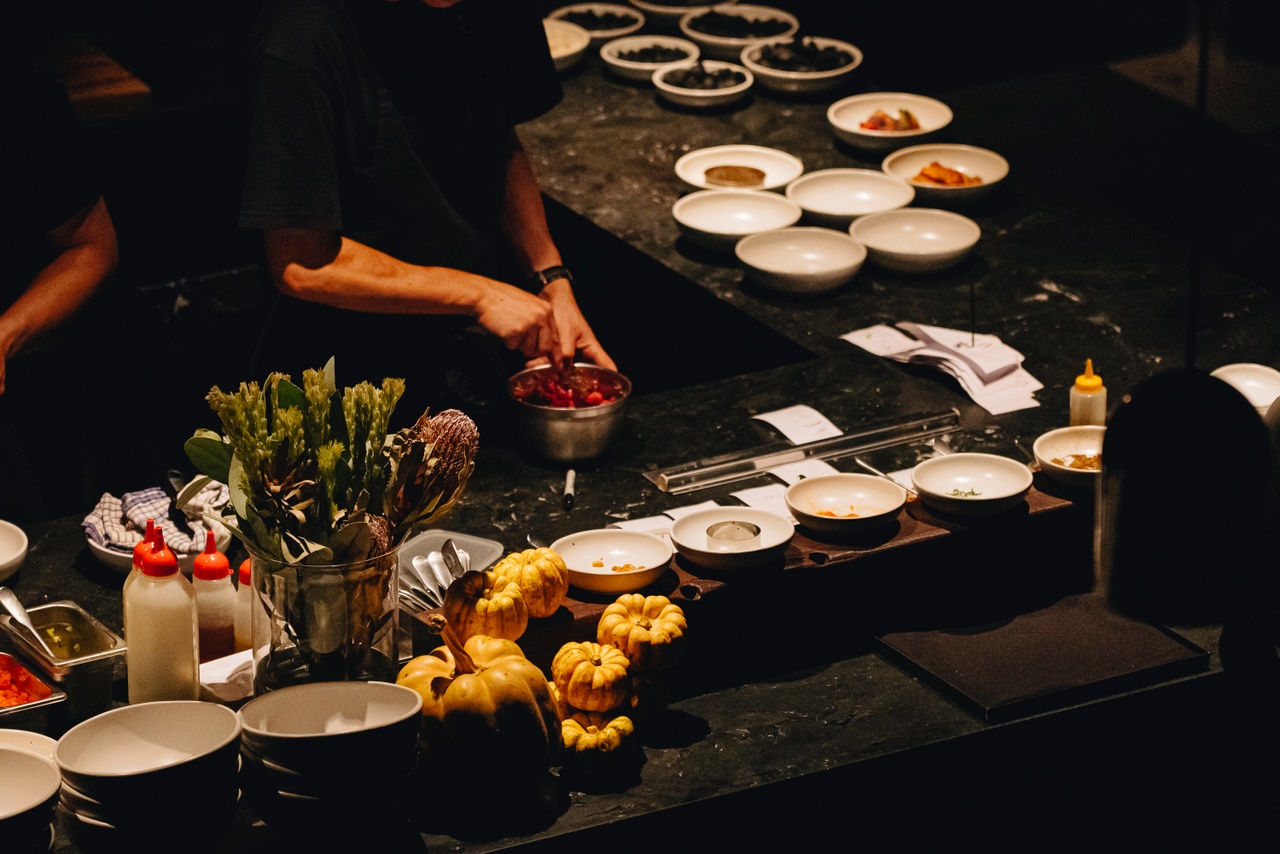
{"x":540,"y":279}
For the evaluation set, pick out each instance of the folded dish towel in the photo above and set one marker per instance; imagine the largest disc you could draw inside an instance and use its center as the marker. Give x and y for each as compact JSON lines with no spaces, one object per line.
{"x":120,"y":523}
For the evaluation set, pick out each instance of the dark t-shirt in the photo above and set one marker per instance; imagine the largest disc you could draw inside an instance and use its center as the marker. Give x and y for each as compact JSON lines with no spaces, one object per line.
{"x":414,"y":168}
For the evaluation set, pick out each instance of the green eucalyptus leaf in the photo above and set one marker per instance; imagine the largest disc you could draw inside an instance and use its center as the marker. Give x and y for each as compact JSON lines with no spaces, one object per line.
{"x":209,"y":454}
{"x":291,"y":396}
{"x":352,"y":542}
{"x":235,"y":485}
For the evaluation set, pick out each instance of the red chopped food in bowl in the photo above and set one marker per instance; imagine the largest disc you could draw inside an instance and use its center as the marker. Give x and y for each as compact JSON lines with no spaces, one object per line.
{"x":545,"y":388}
{"x":18,"y":686}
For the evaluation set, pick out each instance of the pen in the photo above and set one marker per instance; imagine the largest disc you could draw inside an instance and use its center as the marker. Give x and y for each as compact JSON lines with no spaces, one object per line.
{"x":569,"y":479}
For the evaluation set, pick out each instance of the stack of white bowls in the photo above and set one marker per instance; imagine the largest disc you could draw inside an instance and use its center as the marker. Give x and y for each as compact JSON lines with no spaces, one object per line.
{"x":151,"y":776}
{"x":329,"y":758}
{"x":28,"y":794}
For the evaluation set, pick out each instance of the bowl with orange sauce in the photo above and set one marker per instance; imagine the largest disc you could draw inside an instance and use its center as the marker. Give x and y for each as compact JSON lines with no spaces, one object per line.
{"x":1071,"y":455}
{"x":845,"y":504}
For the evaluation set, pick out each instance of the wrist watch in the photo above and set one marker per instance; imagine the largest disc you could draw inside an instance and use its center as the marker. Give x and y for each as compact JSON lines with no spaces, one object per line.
{"x":541,"y":278}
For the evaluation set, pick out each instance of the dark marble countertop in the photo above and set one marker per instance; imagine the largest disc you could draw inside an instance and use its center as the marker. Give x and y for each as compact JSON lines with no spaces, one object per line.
{"x":1083,"y":254}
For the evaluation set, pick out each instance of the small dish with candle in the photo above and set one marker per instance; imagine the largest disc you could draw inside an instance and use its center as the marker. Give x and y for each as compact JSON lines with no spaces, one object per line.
{"x":732,"y":537}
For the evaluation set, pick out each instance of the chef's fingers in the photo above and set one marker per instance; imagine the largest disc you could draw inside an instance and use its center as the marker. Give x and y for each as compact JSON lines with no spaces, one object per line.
{"x":593,"y":352}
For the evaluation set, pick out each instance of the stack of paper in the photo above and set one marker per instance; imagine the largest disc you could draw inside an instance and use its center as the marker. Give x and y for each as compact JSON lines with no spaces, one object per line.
{"x":987,"y":368}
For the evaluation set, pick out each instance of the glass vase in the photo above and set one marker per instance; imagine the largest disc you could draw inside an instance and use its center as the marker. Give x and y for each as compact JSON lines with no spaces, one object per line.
{"x":324,"y":623}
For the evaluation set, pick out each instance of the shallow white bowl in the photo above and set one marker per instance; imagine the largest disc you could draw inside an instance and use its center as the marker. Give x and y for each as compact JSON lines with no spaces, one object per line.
{"x":13,"y":548}
{"x":971,"y":484}
{"x":29,"y":785}
{"x":631,"y":69}
{"x":690,"y":534}
{"x":779,"y":167}
{"x":150,"y":750}
{"x":600,"y":36}
{"x":847,"y":115}
{"x":970,"y":160}
{"x":32,"y":742}
{"x":666,"y":16}
{"x":845,"y":504}
{"x":718,"y":219}
{"x":1061,"y":444}
{"x":916,"y":240}
{"x":568,"y":42}
{"x":834,"y":197}
{"x":724,"y":47}
{"x":1259,"y":383}
{"x":801,"y":260}
{"x":803,"y":82}
{"x":613,"y":547}
{"x":702,"y":98}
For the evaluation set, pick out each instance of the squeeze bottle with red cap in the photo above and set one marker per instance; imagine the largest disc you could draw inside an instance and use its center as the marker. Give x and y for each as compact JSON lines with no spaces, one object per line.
{"x":215,"y":601}
{"x":1088,"y":398}
{"x":145,"y":544}
{"x":161,"y":652}
{"x":244,"y":608}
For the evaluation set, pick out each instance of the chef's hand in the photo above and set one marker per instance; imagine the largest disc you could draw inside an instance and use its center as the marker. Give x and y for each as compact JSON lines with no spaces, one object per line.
{"x":572,"y":330}
{"x":521,"y":320}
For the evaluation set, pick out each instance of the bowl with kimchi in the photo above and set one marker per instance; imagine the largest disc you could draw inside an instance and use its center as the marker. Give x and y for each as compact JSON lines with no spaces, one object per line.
{"x":568,"y":414}
{"x":947,"y":175}
{"x":883,"y":121}
{"x":845,"y":504}
{"x":1071,"y":455}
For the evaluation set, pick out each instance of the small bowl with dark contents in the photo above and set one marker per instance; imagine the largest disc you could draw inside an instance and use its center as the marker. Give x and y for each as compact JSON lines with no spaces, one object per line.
{"x":567,"y":416}
{"x":703,"y":84}
{"x":801,"y":65}
{"x":603,"y":21}
{"x":723,"y":31}
{"x":637,"y":57}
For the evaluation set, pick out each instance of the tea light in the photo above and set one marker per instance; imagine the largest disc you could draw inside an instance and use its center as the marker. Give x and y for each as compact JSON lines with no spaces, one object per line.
{"x":732,"y":536}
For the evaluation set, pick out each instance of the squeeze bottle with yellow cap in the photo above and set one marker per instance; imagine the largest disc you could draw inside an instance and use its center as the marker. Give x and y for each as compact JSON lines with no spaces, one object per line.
{"x":1088,"y":398}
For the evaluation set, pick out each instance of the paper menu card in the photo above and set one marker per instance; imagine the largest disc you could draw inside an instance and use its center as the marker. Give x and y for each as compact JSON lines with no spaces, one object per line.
{"x":989,"y":370}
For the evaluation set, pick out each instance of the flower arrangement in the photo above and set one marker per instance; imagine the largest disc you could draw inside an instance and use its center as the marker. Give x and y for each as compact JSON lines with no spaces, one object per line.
{"x":321,"y":496}
{"x":314,"y":477}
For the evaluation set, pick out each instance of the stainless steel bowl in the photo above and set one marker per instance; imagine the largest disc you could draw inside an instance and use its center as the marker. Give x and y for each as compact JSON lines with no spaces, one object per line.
{"x":568,"y":434}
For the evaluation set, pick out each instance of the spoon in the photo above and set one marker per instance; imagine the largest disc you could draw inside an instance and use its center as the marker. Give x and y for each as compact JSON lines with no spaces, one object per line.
{"x":14,"y":607}
{"x":879,"y":473}
{"x":425,"y":570}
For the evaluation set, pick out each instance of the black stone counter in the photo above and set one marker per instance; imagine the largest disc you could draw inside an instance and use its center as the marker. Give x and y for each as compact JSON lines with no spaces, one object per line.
{"x":786,"y":727}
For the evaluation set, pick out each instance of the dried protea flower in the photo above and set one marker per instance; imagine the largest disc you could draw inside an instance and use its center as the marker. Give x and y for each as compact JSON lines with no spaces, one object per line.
{"x":430,"y":464}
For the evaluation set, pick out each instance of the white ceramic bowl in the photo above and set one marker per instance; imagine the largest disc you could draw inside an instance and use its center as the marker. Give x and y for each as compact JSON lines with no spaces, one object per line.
{"x":801,"y":259}
{"x":151,"y":750}
{"x":633,"y":69}
{"x":667,"y":16}
{"x":336,"y":733}
{"x":969,"y":160}
{"x":1061,"y":454}
{"x":610,"y":547}
{"x":721,"y":537}
{"x":800,"y":82}
{"x":730,"y":47}
{"x":969,"y":484}
{"x":1259,"y":383}
{"x":701,"y":98}
{"x":123,"y":561}
{"x":32,"y":742}
{"x":568,"y":42}
{"x":29,"y":785}
{"x":779,"y":167}
{"x":588,"y":15}
{"x":718,"y":219}
{"x":916,"y":240}
{"x":845,"y":504}
{"x":834,"y":197}
{"x":847,"y":115}
{"x":13,"y":548}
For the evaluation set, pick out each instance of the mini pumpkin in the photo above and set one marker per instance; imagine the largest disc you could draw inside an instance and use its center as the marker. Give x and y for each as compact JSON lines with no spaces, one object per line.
{"x":474,"y":606}
{"x":591,"y":677}
{"x":648,"y":629}
{"x":540,"y":574}
{"x":485,"y":707}
{"x":597,"y":743}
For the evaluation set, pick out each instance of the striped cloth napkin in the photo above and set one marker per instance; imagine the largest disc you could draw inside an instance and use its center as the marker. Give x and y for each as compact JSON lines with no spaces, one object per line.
{"x":120,"y":523}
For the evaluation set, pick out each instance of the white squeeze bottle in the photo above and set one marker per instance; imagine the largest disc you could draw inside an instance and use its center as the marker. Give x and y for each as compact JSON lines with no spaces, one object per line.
{"x":215,"y":601}
{"x":244,"y":608}
{"x":135,"y":569}
{"x":161,"y":652}
{"x":1088,"y":398}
